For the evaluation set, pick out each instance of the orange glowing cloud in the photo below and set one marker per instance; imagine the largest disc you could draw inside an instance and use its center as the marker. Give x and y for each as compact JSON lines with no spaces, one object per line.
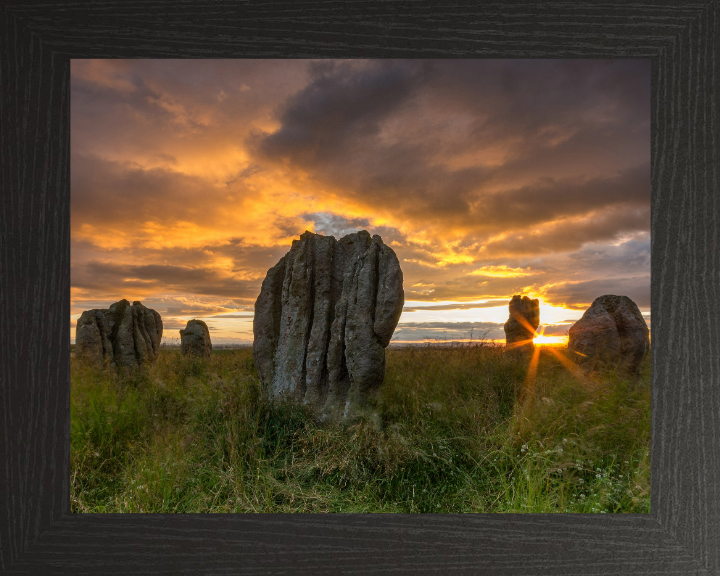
{"x":501,"y":272}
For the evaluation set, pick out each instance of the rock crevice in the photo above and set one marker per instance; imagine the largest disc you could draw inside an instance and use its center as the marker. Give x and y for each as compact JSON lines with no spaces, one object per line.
{"x":323,"y":318}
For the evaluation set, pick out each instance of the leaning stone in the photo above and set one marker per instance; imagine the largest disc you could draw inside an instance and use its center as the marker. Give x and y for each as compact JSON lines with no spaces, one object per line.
{"x":195,"y":339}
{"x":324,"y":316}
{"x":611,"y":333}
{"x":522,"y":323}
{"x":122,"y":335}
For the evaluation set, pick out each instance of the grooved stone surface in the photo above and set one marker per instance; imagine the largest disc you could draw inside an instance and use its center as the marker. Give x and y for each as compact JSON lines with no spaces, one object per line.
{"x":122,"y":335}
{"x":324,"y":316}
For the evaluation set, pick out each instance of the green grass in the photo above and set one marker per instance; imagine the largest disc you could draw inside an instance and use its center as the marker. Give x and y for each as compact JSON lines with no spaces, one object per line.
{"x":444,"y":434}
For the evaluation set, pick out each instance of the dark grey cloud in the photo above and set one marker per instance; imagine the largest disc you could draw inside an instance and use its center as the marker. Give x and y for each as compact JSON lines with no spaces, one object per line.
{"x":575,"y":136}
{"x":551,"y":198}
{"x":604,"y":226}
{"x":118,"y":278}
{"x":341,"y":106}
{"x":111,"y":193}
{"x":580,"y":295}
{"x":165,"y":99}
{"x":560,"y":116}
{"x":246,"y":258}
{"x":630,"y":256}
{"x":468,"y":288}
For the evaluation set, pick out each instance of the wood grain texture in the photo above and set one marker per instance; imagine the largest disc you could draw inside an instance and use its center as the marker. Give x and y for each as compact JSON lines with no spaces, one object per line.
{"x":37,"y":533}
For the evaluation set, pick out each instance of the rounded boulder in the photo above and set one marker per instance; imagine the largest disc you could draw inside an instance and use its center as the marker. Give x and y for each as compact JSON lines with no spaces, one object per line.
{"x":195,"y":339}
{"x":612,"y":332}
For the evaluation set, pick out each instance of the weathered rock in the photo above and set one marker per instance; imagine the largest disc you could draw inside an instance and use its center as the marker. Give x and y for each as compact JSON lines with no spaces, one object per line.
{"x":122,"y":335}
{"x":522,"y":323}
{"x":324,"y":316}
{"x":612,"y":332}
{"x":195,"y":339}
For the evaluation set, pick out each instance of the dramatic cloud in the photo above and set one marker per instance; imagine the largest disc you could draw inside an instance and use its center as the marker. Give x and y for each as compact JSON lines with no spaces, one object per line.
{"x":154,"y":278}
{"x":578,"y":294}
{"x":479,"y":146}
{"x":454,"y":306}
{"x":488,"y":178}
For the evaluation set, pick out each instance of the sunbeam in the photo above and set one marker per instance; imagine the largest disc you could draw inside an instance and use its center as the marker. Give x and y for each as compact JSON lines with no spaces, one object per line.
{"x":574,"y":369}
{"x":527,"y":392}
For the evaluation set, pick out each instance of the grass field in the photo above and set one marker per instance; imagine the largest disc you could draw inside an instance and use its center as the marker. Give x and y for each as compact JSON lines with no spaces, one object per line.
{"x":447,"y":433}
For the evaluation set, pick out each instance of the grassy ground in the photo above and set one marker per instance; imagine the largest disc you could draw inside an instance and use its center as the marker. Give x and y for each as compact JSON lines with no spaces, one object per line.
{"x":446,"y":434}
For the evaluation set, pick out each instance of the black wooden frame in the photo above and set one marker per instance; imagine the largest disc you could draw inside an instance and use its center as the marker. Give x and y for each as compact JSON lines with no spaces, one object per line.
{"x":38,"y":534}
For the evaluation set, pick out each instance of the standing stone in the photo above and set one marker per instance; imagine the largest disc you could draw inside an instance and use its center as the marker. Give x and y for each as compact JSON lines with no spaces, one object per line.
{"x":612,"y":332}
{"x":88,"y":341}
{"x":522,"y":323}
{"x":324,"y":316}
{"x":122,"y":335}
{"x":195,"y":339}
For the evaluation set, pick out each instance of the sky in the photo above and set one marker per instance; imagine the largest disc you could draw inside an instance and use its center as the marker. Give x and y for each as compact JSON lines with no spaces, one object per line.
{"x":488,"y":178}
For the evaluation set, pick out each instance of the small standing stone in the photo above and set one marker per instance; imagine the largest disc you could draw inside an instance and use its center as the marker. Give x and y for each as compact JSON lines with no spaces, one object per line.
{"x":612,"y":332}
{"x":522,"y":323}
{"x":122,"y":335}
{"x":195,"y":339}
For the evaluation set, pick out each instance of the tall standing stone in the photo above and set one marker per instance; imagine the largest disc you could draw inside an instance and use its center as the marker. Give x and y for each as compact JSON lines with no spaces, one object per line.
{"x":324,"y":316}
{"x":612,"y":332}
{"x":522,"y":323}
{"x":122,"y":335}
{"x":195,"y":339}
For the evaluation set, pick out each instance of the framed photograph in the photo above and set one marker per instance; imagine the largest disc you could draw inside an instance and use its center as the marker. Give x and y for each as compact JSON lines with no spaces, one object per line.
{"x":525,"y":151}
{"x":360,"y":285}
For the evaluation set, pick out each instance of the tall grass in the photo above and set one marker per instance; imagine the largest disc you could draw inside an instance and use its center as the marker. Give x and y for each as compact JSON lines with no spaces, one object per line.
{"x":445,"y":433}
